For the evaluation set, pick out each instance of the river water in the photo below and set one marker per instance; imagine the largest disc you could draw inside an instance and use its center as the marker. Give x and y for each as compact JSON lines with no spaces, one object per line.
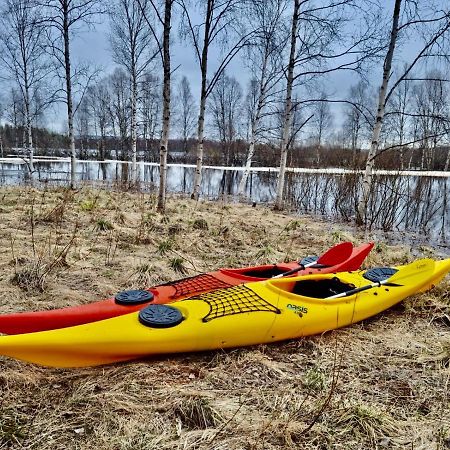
{"x":417,"y":205}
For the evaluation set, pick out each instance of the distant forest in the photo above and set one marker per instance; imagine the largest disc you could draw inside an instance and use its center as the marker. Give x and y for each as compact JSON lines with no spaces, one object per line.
{"x":183,"y":152}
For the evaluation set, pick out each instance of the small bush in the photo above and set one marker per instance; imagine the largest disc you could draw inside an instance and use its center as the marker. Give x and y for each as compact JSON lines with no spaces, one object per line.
{"x":164,"y":247}
{"x":195,"y":413}
{"x":175,"y":229}
{"x":103,"y":225}
{"x":178,"y":266}
{"x":88,"y":205}
{"x":200,"y":224}
{"x":31,"y":277}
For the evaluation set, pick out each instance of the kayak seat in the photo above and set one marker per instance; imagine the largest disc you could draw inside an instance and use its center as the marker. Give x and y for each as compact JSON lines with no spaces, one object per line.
{"x":321,"y":288}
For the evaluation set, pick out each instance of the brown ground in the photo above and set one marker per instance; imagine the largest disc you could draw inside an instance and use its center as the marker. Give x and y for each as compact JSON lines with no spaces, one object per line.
{"x":380,"y":384}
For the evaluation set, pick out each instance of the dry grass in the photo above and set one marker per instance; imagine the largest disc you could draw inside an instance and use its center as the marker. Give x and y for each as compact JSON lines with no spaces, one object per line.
{"x":380,"y":384}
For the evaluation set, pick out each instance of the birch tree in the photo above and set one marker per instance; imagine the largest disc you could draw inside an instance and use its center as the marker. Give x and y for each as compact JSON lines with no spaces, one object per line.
{"x":263,"y":59}
{"x":186,"y":112}
{"x":16,"y":114}
{"x":120,"y":110}
{"x":287,"y":117}
{"x":22,"y":53}
{"x":214,"y":24}
{"x":400,"y":117}
{"x":1,"y":128}
{"x":132,"y":44}
{"x":427,"y":24}
{"x":64,"y":18}
{"x":225,"y":110}
{"x":150,"y":109}
{"x":100,"y":104}
{"x":432,"y":115}
{"x":322,"y":122}
{"x":83,"y":125}
{"x":165,"y":128}
{"x":163,"y":20}
{"x":321,"y":43}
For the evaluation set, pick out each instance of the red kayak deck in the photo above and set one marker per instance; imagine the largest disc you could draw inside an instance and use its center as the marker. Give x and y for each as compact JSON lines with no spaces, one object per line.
{"x":28,"y":322}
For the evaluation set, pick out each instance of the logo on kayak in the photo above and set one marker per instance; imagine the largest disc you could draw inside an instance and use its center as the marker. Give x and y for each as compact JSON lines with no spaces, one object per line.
{"x":300,"y":310}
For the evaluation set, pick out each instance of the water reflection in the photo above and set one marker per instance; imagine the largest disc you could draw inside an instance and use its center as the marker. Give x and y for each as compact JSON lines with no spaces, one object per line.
{"x":411,"y":203}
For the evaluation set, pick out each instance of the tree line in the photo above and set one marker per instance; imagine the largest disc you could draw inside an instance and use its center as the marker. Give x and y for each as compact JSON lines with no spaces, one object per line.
{"x":276,"y":79}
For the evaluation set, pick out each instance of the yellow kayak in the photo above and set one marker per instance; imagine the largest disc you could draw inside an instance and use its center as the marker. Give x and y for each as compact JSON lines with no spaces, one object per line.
{"x":254,"y":313}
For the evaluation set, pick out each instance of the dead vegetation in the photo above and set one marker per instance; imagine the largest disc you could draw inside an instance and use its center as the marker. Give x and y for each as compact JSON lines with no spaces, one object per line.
{"x":383,"y":383}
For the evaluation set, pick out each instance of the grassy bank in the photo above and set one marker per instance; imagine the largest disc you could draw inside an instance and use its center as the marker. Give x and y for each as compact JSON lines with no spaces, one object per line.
{"x":383,"y":383}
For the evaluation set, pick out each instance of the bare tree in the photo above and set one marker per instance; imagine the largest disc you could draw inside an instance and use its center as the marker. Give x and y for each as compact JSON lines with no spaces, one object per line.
{"x":2,"y":155}
{"x":432,"y":115}
{"x":165,"y":128}
{"x":16,"y":113}
{"x":288,"y":104}
{"x":22,"y":53}
{"x":120,"y":110}
{"x":83,"y":125}
{"x":356,"y":118}
{"x":186,"y":115}
{"x":433,"y":25}
{"x":447,"y":159}
{"x":100,"y":104}
{"x":132,"y":44}
{"x":322,"y":122}
{"x":214,"y":25}
{"x":225,"y":109}
{"x":399,"y":114}
{"x":65,"y":18}
{"x":149,"y":108}
{"x":164,"y":20}
{"x":263,"y":58}
{"x":320,"y":44}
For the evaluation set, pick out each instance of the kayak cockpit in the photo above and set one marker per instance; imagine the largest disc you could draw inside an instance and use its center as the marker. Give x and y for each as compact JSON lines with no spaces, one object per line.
{"x":320,"y":288}
{"x":263,"y":272}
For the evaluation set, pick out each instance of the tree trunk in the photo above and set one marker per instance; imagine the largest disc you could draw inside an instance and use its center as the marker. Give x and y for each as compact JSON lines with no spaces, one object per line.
{"x":288,"y":108}
{"x":367,"y":179}
{"x":133,"y":126}
{"x":254,"y":127}
{"x":29,"y":134}
{"x":447,"y":161}
{"x":201,"y":115}
{"x":319,"y":145}
{"x":200,"y":142}
{"x":166,"y":110}
{"x":68,"y":75}
{"x":248,"y":165}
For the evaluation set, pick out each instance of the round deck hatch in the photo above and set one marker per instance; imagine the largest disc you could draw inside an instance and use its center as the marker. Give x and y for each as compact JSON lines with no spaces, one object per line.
{"x":133,"y":297}
{"x":160,"y":316}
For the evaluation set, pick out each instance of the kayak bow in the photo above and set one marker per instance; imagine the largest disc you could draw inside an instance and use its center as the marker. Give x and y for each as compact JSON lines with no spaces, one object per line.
{"x":345,"y":258}
{"x":254,"y":313}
